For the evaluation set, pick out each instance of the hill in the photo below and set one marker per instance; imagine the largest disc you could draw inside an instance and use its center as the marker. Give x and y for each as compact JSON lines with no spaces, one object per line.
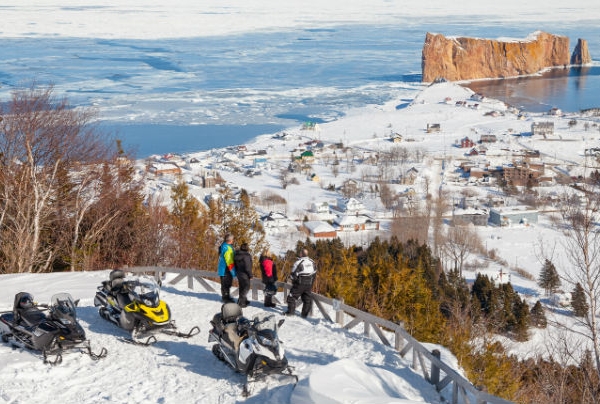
{"x":333,"y":365}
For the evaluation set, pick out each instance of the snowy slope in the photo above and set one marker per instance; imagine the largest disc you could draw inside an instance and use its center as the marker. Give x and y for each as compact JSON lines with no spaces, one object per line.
{"x":333,"y":365}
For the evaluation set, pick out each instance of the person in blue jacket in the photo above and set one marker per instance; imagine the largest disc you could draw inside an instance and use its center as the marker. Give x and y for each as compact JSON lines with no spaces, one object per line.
{"x":226,"y":267}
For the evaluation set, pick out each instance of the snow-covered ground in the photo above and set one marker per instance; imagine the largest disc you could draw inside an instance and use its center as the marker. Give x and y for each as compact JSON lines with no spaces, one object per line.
{"x":333,"y":365}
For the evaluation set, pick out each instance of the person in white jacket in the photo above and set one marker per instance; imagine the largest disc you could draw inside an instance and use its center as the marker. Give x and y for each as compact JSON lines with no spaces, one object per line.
{"x":303,"y":276}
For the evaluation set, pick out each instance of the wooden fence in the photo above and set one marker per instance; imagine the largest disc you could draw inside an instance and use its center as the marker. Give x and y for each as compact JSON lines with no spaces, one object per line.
{"x":432,"y":368}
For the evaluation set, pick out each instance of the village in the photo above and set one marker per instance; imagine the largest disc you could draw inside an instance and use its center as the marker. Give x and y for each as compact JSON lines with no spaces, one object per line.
{"x":350,"y":178}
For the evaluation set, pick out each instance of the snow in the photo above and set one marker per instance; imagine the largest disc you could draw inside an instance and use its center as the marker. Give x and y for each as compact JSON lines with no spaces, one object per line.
{"x":188,"y":18}
{"x":333,"y":365}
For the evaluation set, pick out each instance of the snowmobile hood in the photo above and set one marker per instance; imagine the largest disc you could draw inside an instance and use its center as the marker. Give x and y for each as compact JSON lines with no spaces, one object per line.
{"x":159,"y":314}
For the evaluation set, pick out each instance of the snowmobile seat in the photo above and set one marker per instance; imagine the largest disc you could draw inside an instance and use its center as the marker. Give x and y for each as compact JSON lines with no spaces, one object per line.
{"x":32,"y":316}
{"x":115,"y":274}
{"x":230,"y":312}
{"x":230,"y":332}
{"x":25,"y":311}
{"x":116,"y":285}
{"x":116,"y":279}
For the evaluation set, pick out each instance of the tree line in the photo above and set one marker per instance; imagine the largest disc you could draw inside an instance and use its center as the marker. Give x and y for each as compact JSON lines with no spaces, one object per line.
{"x":71,"y":198}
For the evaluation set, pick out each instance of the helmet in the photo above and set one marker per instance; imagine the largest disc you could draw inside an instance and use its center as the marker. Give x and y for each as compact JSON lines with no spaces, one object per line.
{"x":26,"y":301}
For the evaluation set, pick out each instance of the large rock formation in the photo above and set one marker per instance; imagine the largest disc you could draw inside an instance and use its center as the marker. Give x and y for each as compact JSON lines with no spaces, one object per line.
{"x":581,"y":53}
{"x":472,"y":58}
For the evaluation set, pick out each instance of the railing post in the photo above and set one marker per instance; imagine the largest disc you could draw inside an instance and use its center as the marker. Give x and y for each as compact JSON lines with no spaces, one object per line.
{"x":435,"y":370}
{"x":367,"y":328}
{"x":339,"y":313}
{"x":398,"y":340}
{"x":254,"y":286}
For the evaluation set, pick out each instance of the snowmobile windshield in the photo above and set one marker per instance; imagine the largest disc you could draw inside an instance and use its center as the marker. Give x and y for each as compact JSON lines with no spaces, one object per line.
{"x":146,"y":290}
{"x":266,"y":329}
{"x":63,"y":305}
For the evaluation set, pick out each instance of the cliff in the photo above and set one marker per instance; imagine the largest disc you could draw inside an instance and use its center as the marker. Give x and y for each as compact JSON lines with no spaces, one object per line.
{"x":581,"y":53}
{"x":472,"y":58}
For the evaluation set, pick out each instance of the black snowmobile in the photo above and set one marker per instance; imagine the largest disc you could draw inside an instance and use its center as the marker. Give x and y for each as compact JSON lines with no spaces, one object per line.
{"x":250,"y":347}
{"x":51,"y":329}
{"x":133,"y":303}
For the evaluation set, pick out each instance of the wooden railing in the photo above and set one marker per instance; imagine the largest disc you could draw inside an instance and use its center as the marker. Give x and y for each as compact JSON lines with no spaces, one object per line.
{"x":430,"y":364}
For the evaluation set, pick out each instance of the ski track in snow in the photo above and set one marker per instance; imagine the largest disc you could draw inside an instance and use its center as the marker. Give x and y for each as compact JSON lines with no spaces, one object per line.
{"x":173,"y":370}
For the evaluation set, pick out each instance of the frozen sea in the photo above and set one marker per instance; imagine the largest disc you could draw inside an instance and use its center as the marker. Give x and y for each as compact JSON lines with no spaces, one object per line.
{"x":188,"y":94}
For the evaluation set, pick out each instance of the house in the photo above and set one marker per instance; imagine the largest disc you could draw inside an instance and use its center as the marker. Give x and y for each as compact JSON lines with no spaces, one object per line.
{"x":410,"y":176}
{"x":320,"y":207}
{"x":310,"y":126}
{"x":318,"y":229}
{"x":349,"y":205}
{"x":349,"y":187}
{"x":396,"y":138}
{"x":488,"y":139}
{"x":513,"y":215}
{"x":307,"y":156}
{"x":523,"y":173}
{"x":479,"y":217}
{"x":542,"y":128}
{"x":433,"y":127}
{"x":355,"y":223}
{"x":275,"y":219}
{"x":465,"y":142}
{"x":160,"y":169}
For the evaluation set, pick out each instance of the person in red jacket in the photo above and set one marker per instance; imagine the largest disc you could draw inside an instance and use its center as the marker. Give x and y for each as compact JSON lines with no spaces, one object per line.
{"x":268,"y":270}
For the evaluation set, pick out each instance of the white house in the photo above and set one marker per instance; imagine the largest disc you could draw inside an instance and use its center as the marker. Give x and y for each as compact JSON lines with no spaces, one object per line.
{"x":319,"y":207}
{"x":355,"y":223}
{"x":349,"y":205}
{"x":275,"y":219}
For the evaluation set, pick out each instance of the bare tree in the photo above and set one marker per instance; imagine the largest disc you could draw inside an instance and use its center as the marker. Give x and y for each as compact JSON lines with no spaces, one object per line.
{"x":459,"y":243}
{"x":582,"y":250}
{"x":42,"y":139}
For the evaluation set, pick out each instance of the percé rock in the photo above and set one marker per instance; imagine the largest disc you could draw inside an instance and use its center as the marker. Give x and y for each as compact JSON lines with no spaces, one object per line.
{"x":581,"y":53}
{"x":472,"y":58}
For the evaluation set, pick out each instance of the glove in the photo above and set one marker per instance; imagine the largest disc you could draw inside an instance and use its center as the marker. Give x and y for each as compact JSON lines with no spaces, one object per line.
{"x":230,"y":266}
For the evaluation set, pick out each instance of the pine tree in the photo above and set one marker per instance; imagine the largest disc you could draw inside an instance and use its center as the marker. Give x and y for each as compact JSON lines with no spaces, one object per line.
{"x":538,"y":317}
{"x":549,"y":279}
{"x":578,"y":301}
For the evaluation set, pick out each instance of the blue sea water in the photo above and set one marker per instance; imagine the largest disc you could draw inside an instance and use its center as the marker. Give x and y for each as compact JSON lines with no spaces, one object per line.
{"x":188,"y":94}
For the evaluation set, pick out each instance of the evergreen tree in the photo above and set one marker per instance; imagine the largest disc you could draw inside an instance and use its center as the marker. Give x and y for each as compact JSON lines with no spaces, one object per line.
{"x":522,"y":319}
{"x":549,"y":279}
{"x":578,"y":301}
{"x":538,"y":317}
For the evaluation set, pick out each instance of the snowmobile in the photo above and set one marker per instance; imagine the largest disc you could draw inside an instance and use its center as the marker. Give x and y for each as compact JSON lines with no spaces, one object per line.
{"x":51,"y":329}
{"x":250,"y":347}
{"x":133,"y":303}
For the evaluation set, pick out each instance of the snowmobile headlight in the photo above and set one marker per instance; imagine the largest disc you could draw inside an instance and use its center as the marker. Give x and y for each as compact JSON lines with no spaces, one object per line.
{"x":266,"y":341}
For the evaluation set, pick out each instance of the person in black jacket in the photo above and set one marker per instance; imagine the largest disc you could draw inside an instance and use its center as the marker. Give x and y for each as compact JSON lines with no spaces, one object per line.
{"x":243,"y":268}
{"x":269,"y":277}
